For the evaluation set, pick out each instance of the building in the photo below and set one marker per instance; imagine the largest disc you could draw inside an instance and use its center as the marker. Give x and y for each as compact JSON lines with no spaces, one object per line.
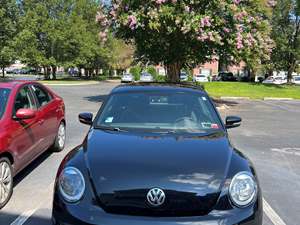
{"x":210,"y":69}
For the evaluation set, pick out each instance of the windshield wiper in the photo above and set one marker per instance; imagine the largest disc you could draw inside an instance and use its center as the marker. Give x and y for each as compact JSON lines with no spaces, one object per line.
{"x":117,"y":129}
{"x":166,"y":132}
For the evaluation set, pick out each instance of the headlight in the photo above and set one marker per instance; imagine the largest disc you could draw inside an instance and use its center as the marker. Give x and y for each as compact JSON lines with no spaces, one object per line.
{"x":243,"y":189}
{"x":71,"y":184}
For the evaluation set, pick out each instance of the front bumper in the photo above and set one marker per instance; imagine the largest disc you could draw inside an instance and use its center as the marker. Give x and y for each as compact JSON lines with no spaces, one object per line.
{"x":66,"y":214}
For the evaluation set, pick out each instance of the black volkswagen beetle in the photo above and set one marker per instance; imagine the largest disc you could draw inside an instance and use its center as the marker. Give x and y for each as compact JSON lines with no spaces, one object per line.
{"x":157,"y":154}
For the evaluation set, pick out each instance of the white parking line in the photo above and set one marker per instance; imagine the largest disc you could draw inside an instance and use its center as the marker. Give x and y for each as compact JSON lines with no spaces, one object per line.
{"x":24,"y":217}
{"x":273,"y":216}
{"x":289,"y":151}
{"x":20,"y":220}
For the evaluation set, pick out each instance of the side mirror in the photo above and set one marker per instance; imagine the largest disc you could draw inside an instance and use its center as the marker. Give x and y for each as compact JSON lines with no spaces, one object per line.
{"x":86,"y":118}
{"x":232,"y":122}
{"x":25,"y":114}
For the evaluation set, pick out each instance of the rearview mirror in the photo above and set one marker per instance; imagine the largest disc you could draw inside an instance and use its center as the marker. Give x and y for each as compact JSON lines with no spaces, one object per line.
{"x":86,"y":118}
{"x":232,"y":121}
{"x":25,"y":114}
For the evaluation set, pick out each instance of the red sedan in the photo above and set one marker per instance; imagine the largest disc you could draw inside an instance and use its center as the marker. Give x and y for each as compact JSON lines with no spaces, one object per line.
{"x":32,"y":120}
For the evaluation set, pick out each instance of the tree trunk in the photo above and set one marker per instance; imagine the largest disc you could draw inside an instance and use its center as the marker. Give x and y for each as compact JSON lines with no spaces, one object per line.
{"x":3,"y":72}
{"x":252,"y":74}
{"x":173,"y":72}
{"x":290,"y":71}
{"x":54,"y":68}
{"x":46,"y":74}
{"x":270,"y":73}
{"x":222,"y":66}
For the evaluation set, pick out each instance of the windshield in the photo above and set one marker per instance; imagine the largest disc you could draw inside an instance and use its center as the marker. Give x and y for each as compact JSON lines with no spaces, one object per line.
{"x":297,"y":78}
{"x":159,"y":112}
{"x":4,"y":93}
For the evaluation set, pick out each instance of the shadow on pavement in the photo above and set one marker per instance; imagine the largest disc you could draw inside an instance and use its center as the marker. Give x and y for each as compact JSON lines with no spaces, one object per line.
{"x":96,"y":98}
{"x":8,"y":218}
{"x":32,"y":166}
{"x":220,"y":102}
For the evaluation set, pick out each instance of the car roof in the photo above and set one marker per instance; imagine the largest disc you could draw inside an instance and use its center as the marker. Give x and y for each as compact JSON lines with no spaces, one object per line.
{"x":157,"y":86}
{"x":10,"y":84}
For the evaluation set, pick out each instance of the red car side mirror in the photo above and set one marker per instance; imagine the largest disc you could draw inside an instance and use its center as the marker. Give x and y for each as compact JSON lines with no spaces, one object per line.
{"x":24,"y":114}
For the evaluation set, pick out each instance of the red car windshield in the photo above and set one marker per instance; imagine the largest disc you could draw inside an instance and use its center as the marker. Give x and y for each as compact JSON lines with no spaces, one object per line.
{"x":4,"y":94}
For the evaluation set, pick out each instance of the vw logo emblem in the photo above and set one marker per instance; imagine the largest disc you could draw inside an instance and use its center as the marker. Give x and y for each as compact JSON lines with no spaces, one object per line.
{"x":156,"y":197}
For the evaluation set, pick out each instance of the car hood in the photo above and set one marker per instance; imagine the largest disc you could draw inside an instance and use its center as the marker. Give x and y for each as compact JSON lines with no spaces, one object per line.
{"x":189,"y":169}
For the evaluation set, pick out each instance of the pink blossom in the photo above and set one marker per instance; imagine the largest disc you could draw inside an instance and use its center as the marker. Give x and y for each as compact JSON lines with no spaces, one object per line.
{"x":160,"y":1}
{"x":100,"y":17}
{"x":115,"y":6}
{"x":250,"y":19}
{"x":226,"y":30}
{"x":211,"y":36}
{"x":239,"y":45}
{"x":132,"y":22}
{"x":202,"y":37}
{"x":240,"y":16}
{"x":205,"y":22}
{"x":237,"y":1}
{"x":250,"y":39}
{"x":113,"y":13}
{"x":103,"y":36}
{"x":239,"y":41}
{"x":187,"y":8}
{"x":272,"y":3}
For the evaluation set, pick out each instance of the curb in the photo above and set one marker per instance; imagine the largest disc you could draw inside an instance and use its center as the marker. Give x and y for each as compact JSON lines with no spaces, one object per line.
{"x":235,"y":98}
{"x":223,"y":107}
{"x":278,"y":99}
{"x":265,"y":98}
{"x":113,"y":81}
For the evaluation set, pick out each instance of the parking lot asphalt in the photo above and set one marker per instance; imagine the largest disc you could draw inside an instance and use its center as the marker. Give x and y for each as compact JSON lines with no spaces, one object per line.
{"x":269,"y":136}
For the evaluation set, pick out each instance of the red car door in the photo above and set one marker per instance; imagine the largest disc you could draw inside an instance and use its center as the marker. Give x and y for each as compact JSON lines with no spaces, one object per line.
{"x":47,"y":113}
{"x":24,"y":134}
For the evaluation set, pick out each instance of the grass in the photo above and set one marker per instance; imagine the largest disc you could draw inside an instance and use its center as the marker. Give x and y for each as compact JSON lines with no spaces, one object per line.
{"x":251,"y":90}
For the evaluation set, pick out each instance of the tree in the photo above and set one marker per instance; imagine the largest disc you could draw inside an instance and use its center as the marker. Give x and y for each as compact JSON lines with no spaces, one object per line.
{"x":60,"y":33}
{"x":42,"y":33}
{"x":8,"y":29}
{"x":286,"y":34}
{"x":119,"y":54}
{"x":179,"y":32}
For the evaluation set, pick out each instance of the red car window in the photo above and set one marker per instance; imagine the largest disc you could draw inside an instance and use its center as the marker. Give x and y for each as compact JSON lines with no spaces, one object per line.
{"x":24,"y":100}
{"x":42,"y":96}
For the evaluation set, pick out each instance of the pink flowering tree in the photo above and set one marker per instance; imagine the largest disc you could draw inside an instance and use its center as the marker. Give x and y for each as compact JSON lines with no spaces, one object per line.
{"x":180,"y":32}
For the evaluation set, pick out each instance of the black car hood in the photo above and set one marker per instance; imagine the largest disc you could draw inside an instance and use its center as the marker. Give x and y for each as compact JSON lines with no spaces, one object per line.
{"x":189,"y":169}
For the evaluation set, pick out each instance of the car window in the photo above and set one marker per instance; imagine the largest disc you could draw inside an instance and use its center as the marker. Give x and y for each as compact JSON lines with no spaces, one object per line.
{"x":23,"y":100}
{"x":43,"y":97}
{"x":157,"y":111}
{"x":4,"y":94}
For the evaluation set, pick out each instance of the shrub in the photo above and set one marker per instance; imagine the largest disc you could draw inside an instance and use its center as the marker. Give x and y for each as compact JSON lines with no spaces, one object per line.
{"x":136,"y":72}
